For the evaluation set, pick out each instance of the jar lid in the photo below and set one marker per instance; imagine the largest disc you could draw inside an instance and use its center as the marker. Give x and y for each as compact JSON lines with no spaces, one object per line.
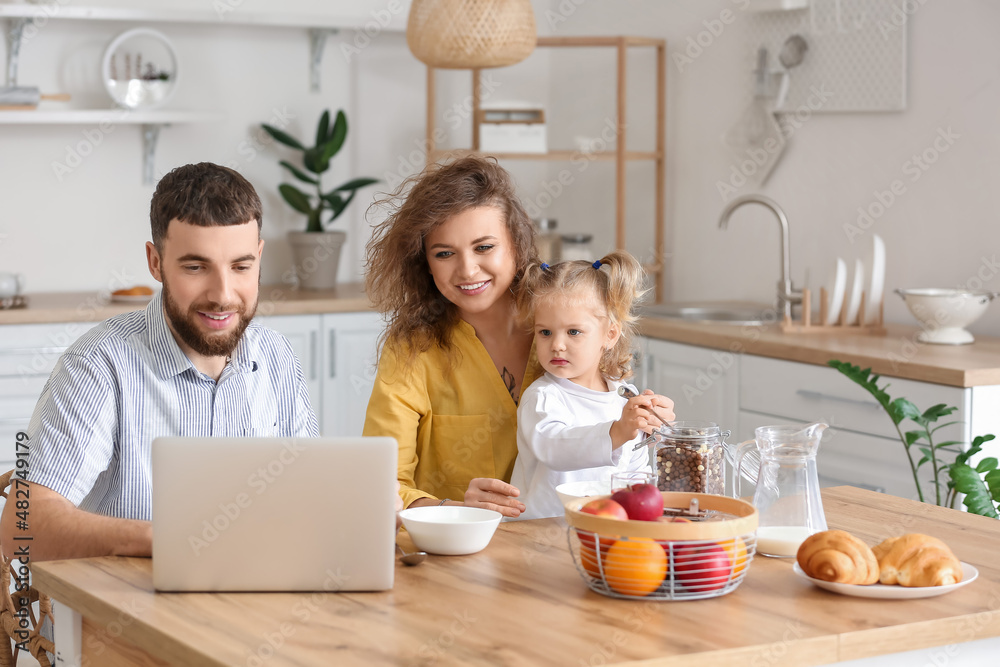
{"x":577,"y":238}
{"x":693,"y":431}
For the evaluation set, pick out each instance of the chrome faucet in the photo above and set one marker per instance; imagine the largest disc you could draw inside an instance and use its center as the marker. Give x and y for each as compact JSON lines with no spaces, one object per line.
{"x":787,"y":294}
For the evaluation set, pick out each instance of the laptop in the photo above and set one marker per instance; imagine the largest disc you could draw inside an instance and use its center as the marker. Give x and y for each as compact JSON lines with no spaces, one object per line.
{"x":273,"y":514}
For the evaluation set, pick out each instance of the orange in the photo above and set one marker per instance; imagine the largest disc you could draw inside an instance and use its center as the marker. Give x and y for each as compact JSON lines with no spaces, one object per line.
{"x":737,"y":550}
{"x":635,"y":566}
{"x":588,"y":558}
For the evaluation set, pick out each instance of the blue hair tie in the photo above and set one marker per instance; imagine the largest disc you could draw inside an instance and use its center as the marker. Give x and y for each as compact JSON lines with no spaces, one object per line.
{"x":597,"y":264}
{"x":545,"y":267}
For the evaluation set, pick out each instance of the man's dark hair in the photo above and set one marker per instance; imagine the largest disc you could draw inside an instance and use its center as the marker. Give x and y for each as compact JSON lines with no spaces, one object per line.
{"x":203,"y":194}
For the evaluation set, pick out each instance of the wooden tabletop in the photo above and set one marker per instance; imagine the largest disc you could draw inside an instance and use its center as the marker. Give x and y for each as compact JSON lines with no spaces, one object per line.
{"x":896,"y":354}
{"x":44,"y":307}
{"x":520,"y":601}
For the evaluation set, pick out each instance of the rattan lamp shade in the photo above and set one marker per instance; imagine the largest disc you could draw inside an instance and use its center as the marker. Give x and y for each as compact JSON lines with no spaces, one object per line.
{"x":467,"y":34}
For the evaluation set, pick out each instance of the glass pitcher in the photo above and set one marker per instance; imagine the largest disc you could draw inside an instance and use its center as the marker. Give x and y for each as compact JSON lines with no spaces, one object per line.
{"x":787,"y":495}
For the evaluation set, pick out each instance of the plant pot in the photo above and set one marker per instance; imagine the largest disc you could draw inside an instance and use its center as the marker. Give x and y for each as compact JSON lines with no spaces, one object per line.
{"x":317,"y":256}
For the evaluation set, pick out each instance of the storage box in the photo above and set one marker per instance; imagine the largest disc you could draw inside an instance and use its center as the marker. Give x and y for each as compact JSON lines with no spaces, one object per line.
{"x":512,"y":131}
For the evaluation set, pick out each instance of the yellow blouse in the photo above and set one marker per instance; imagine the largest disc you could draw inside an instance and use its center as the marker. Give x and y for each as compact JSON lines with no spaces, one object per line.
{"x":451,"y":415}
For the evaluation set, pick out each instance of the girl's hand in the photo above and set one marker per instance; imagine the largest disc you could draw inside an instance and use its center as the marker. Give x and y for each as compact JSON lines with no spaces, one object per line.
{"x":494,"y":494}
{"x":645,"y":412}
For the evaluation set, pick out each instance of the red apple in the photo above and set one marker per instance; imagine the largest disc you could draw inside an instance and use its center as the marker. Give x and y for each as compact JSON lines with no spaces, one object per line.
{"x":601,"y":507}
{"x":702,"y":568}
{"x":642,"y":502}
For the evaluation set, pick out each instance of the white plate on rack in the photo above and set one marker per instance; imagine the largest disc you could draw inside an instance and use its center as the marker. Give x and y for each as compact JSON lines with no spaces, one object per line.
{"x":857,"y":286}
{"x":881,"y":591}
{"x":876,"y":285}
{"x":836,"y":284}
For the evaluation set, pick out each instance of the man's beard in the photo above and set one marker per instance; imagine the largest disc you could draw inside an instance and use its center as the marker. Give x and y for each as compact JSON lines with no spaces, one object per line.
{"x":185,"y":324}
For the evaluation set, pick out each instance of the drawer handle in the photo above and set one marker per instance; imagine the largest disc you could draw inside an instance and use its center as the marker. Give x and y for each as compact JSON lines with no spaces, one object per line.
{"x":832,"y":481}
{"x":820,"y":396}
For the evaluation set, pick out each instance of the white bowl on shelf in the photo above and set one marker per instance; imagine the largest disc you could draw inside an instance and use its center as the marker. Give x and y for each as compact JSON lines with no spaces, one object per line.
{"x":450,"y":530}
{"x":944,"y":313}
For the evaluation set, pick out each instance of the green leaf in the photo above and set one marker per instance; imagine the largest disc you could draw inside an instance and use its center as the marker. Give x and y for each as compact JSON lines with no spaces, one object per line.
{"x":992,"y":479}
{"x":356,"y":183}
{"x":935,"y":412}
{"x":311,"y":159}
{"x":323,"y":127}
{"x":978,"y":498}
{"x":295,"y":198}
{"x":907,"y":409}
{"x":337,"y":212}
{"x":986,"y":465}
{"x":282,"y":137}
{"x":338,"y":133}
{"x":944,"y":425}
{"x":914,"y":436}
{"x":928,"y":456}
{"x":298,"y":173}
{"x":335,"y":201}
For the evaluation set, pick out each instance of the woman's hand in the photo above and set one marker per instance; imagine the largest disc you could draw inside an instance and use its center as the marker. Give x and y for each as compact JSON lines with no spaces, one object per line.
{"x":645,"y":412}
{"x":493,"y":494}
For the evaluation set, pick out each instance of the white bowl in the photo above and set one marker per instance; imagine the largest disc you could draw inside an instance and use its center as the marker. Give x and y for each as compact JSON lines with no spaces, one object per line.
{"x":574,"y":490}
{"x":944,"y":313}
{"x":450,"y":530}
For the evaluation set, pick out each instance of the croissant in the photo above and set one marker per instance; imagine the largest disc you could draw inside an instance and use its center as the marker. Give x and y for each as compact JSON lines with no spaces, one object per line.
{"x":917,"y":560}
{"x":837,"y":556}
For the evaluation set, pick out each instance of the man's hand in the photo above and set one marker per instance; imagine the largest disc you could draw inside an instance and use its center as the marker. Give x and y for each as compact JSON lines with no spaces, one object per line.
{"x":495,"y":495}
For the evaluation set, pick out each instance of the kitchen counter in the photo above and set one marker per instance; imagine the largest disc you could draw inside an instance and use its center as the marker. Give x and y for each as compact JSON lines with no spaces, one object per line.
{"x":46,"y":307}
{"x":896,"y":354}
{"x":521,"y":601}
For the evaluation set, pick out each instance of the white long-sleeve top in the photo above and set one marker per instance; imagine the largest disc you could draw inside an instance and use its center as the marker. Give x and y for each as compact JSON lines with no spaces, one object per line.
{"x":564,"y":435}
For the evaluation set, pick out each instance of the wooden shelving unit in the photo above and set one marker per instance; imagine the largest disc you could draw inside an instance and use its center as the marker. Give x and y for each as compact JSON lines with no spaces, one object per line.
{"x":621,"y":156}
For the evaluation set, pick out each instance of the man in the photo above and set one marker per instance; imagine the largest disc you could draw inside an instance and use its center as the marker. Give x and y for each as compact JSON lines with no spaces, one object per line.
{"x":191,"y":364}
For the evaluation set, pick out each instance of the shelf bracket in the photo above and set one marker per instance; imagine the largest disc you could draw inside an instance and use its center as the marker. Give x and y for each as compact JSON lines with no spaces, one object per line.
{"x":14,"y":38}
{"x":150,"y":135}
{"x":317,"y":40}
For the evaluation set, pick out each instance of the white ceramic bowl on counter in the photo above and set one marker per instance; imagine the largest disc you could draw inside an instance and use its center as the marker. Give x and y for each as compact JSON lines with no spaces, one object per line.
{"x":450,"y":530}
{"x":944,"y":313}
{"x":574,"y":490}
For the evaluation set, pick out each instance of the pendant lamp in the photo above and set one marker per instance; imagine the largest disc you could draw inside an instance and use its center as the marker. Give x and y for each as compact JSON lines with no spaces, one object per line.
{"x":469,"y":34}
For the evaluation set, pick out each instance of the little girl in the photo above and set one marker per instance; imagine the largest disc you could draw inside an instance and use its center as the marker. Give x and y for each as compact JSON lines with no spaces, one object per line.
{"x":571,"y":423}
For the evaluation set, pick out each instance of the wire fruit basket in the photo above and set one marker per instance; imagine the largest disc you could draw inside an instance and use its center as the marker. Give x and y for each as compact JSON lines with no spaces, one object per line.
{"x":701,"y":548}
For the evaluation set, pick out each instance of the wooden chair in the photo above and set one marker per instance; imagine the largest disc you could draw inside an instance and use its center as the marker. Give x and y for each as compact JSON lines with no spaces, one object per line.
{"x":17,"y":612}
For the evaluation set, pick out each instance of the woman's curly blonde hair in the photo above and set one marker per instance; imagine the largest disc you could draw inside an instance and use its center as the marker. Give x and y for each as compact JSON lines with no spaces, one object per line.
{"x":397,"y":276}
{"x":617,"y":282}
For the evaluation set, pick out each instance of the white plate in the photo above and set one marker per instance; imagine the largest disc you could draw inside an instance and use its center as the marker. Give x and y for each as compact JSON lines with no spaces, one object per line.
{"x":876,"y":285}
{"x":836,"y":284}
{"x":857,"y":285}
{"x":881,"y":591}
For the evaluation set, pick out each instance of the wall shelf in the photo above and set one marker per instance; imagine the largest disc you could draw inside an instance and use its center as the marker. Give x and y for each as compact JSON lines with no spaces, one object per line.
{"x":620,"y":156}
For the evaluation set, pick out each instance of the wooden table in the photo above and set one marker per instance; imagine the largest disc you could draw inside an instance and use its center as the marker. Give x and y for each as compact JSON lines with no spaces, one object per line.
{"x":522,"y":602}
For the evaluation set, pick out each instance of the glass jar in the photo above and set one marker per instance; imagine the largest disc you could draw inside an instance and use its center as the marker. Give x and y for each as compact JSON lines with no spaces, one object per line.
{"x":577,"y":246}
{"x":688,"y":456}
{"x":547,"y":242}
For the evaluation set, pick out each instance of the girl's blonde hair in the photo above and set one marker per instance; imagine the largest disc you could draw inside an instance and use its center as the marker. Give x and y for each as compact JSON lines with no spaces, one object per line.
{"x":617,"y":282}
{"x":398,"y":279}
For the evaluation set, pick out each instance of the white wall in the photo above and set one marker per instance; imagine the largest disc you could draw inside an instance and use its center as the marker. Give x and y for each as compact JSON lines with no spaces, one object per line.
{"x":937,"y":233}
{"x":80,"y":232}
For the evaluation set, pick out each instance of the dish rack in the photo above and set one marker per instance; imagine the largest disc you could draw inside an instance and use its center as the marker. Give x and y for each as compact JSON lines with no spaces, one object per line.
{"x":702,"y":550}
{"x":875,"y":327}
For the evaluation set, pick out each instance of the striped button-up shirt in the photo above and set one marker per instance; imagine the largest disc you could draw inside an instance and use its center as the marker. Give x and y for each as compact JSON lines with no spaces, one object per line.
{"x":126,"y":382}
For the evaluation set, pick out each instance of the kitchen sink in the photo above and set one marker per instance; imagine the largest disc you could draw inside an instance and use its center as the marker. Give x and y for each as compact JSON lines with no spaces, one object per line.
{"x":725,"y":312}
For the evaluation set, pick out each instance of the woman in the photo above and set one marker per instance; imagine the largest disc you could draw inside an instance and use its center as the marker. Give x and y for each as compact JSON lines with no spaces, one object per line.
{"x":443,"y":268}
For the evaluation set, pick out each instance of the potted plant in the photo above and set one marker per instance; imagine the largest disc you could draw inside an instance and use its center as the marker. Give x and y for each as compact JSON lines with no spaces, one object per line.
{"x":316,"y":251}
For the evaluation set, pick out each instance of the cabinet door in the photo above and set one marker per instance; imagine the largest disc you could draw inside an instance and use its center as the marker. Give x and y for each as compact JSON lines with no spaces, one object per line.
{"x":349,"y":364}
{"x":703,"y":383}
{"x":853,"y":459}
{"x":303,"y":332}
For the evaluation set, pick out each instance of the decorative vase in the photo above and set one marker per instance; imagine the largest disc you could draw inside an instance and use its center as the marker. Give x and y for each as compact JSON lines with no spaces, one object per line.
{"x":317,"y":256}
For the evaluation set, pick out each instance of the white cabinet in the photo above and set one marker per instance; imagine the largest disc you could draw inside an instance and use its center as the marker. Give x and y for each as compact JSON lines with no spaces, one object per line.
{"x":348,"y":370}
{"x":703,"y":383}
{"x":28,"y":353}
{"x":337,"y":352}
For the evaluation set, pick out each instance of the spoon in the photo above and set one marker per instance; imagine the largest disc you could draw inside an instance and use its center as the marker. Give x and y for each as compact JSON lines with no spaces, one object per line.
{"x":792,"y":53}
{"x":415,"y":558}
